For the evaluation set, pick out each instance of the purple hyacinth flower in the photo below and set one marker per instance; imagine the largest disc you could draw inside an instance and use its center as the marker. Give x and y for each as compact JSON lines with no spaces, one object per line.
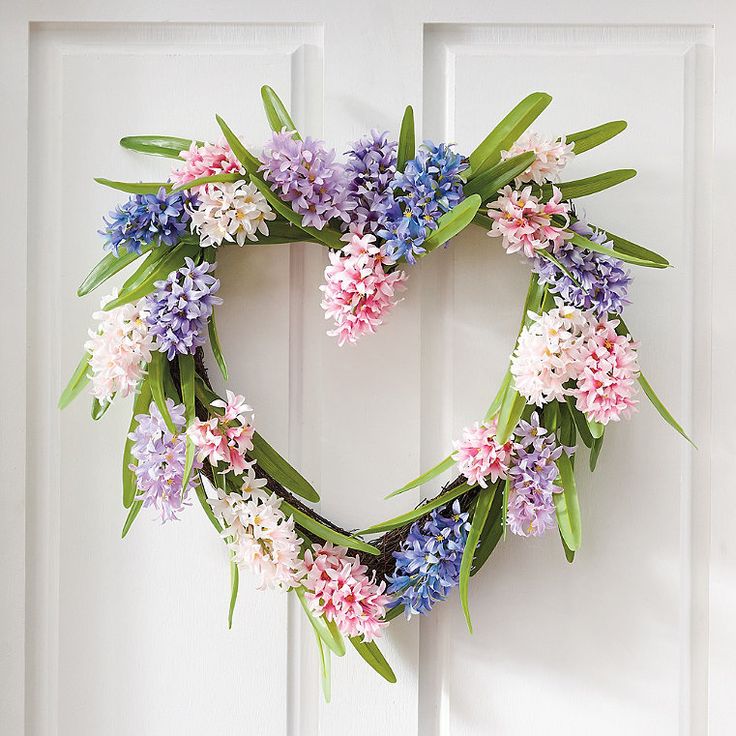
{"x":180,"y":308}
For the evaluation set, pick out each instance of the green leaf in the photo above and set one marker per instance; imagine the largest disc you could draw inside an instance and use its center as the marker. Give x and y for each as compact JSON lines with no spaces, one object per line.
{"x":234,"y":583}
{"x":394,"y":612}
{"x":99,"y":409}
{"x":652,"y":396}
{"x":453,"y":222}
{"x":407,"y":140}
{"x":595,"y":452}
{"x":596,"y":428}
{"x":621,"y":245}
{"x":251,"y":164}
{"x":551,"y":416}
{"x":584,"y":140}
{"x":214,"y":178}
{"x":201,"y":489}
{"x":482,"y":507}
{"x":569,"y":554}
{"x":372,"y":654}
{"x":76,"y":383}
{"x":567,"y":507}
{"x":140,"y":406}
{"x":107,"y":267}
{"x":567,"y":433}
{"x":216,"y":347}
{"x":134,"y":187}
{"x":132,"y":513}
{"x":441,"y":467}
{"x":661,"y":408}
{"x":495,"y":406}
{"x":326,"y":631}
{"x":159,"y":269}
{"x":325,"y":666}
{"x":511,"y":410}
{"x":276,"y":112}
{"x":186,"y":379}
{"x":492,"y":532}
{"x":491,"y":180}
{"x":582,"y":242}
{"x":280,"y":470}
{"x":505,"y":505}
{"x":545,"y":254}
{"x":145,"y":269}
{"x":417,"y":513}
{"x":590,"y":185}
{"x":156,"y":370}
{"x":325,"y":532}
{"x":502,"y":137}
{"x":580,"y":421}
{"x":157,"y":145}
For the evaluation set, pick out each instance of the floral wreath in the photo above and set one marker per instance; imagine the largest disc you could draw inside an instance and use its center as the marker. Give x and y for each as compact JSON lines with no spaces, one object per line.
{"x":573,"y":370}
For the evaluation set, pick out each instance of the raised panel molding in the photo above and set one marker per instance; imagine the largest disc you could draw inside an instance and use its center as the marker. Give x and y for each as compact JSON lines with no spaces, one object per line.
{"x":628,"y":606}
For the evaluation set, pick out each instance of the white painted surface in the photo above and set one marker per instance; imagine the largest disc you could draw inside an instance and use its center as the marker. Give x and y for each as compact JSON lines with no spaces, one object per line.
{"x":129,"y":637}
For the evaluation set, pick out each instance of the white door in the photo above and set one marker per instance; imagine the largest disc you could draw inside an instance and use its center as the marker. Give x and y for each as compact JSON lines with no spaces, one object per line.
{"x":104,"y":636}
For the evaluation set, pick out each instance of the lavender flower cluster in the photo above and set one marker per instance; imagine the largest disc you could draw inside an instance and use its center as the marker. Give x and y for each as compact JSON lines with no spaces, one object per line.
{"x":144,"y":218}
{"x":305,"y":174}
{"x":160,"y":459}
{"x":371,"y":167}
{"x":600,"y":282}
{"x":531,"y":509}
{"x":430,"y":185}
{"x":180,"y":307}
{"x":428,"y":563}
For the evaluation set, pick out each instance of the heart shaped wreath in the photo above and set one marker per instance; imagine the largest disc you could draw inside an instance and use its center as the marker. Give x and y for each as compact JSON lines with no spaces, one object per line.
{"x":573,"y":369}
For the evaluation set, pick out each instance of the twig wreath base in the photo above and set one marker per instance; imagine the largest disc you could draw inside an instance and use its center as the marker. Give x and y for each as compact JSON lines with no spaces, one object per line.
{"x":573,"y":370}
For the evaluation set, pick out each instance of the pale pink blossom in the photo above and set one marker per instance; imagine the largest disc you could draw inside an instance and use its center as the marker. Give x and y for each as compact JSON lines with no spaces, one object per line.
{"x":259,"y":535}
{"x":359,"y":292}
{"x":552,"y":155}
{"x":206,"y":160}
{"x":230,"y":213}
{"x":479,"y":456}
{"x":607,"y":381}
{"x":338,"y":588}
{"x":227,"y":437}
{"x":525,"y":223}
{"x":119,"y":349}
{"x":550,"y":352}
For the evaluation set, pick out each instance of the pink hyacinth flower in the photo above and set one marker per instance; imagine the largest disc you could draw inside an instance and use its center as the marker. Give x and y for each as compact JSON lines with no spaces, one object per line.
{"x":606,"y":384}
{"x":479,"y":456}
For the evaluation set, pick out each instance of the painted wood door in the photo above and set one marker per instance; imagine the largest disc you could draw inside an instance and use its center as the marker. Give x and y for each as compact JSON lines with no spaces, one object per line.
{"x":103,"y":636}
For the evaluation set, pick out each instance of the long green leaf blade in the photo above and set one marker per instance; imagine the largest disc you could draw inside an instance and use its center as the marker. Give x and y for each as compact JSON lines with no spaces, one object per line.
{"x":590,"y":185}
{"x":276,"y":112}
{"x":567,"y":506}
{"x":582,"y":242}
{"x":325,"y":630}
{"x":213,"y":179}
{"x":325,"y":666}
{"x":584,"y":140}
{"x":511,"y":410}
{"x":201,"y":489}
{"x":107,"y":267}
{"x":491,"y":180}
{"x":133,"y":512}
{"x":482,"y":507}
{"x":234,"y":584}
{"x":407,"y":139}
{"x":507,"y":131}
{"x":216,"y":347}
{"x":157,"y":145}
{"x":595,"y":452}
{"x":415,"y":514}
{"x":453,"y":222}
{"x":134,"y":187}
{"x":76,"y":383}
{"x":156,"y":370}
{"x":491,"y":534}
{"x":621,"y":245}
{"x":327,"y":533}
{"x":186,"y":377}
{"x":661,"y":408}
{"x":280,"y":470}
{"x":370,"y":652}
{"x":441,"y":467}
{"x":140,"y":406}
